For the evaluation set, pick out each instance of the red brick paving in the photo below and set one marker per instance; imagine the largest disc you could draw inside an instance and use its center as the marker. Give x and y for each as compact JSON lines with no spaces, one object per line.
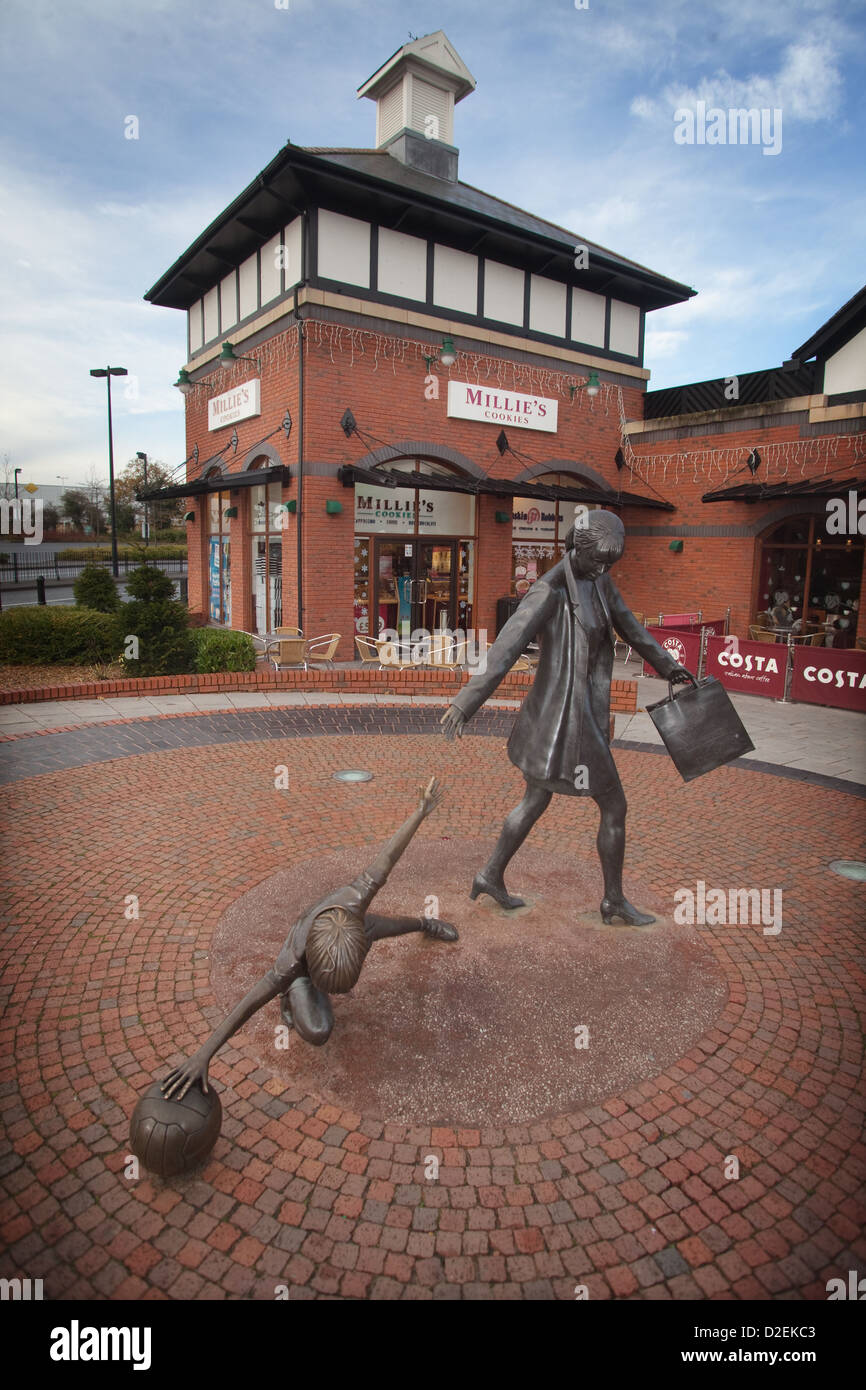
{"x":628,"y":1197}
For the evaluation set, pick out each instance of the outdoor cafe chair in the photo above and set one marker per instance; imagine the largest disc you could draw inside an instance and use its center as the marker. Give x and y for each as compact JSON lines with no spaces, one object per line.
{"x":323,"y":649}
{"x":368,"y":652}
{"x":762,"y":634}
{"x":292,"y":651}
{"x":447,"y":652}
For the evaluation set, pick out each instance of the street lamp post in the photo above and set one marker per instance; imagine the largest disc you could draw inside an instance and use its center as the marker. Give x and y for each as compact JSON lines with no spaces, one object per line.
{"x":17,"y":471}
{"x":143,"y":458}
{"x":108,"y":373}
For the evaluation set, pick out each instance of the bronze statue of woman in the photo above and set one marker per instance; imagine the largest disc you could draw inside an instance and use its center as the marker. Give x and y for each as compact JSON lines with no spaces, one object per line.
{"x":561,"y":737}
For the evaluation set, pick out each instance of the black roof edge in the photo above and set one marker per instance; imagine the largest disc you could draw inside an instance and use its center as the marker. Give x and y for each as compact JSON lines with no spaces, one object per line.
{"x":835,"y":327}
{"x":297,"y":153}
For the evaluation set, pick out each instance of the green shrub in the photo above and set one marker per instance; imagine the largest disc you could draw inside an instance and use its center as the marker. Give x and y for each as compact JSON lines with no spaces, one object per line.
{"x":159,"y":622}
{"x":42,"y":635}
{"x":101,"y":554}
{"x":217,"y":649}
{"x":95,"y":588}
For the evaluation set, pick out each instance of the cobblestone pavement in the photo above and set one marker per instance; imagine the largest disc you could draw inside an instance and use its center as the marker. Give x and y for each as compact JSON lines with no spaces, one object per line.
{"x":630,"y":1197}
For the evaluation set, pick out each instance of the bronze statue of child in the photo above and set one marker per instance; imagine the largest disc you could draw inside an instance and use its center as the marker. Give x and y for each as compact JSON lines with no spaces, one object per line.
{"x":323,"y":954}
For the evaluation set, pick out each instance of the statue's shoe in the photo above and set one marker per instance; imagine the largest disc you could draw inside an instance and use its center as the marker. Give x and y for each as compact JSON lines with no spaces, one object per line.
{"x":285,"y":1011}
{"x":496,"y":891}
{"x":625,"y":911}
{"x":440,"y":931}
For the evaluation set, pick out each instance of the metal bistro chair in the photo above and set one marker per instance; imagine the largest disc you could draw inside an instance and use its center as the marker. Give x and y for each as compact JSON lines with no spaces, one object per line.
{"x":323,"y":649}
{"x":368,"y":652}
{"x":292,"y":652}
{"x":385,"y":654}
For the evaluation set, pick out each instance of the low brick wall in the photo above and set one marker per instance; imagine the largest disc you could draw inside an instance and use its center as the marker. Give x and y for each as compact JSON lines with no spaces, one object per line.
{"x":623,"y":694}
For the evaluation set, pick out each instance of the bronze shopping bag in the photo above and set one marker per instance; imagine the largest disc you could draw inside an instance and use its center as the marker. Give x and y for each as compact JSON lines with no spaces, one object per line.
{"x":700,"y":727}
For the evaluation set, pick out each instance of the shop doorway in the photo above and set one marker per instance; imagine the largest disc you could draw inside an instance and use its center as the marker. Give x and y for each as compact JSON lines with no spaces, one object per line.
{"x":421,"y":585}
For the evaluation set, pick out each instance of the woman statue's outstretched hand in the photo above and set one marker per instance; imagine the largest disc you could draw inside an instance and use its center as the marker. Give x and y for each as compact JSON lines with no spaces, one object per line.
{"x":452,"y":723}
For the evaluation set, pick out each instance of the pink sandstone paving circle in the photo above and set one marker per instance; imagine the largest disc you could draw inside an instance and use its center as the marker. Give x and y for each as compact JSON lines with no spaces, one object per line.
{"x":481,"y":1031}
{"x":627,"y":1195}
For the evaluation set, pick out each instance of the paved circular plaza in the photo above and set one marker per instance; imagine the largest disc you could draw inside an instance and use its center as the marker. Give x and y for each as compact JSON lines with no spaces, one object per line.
{"x":702,"y":1139}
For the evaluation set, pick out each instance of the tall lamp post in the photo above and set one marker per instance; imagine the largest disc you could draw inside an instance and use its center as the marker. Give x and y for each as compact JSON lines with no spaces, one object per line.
{"x":17,"y":471}
{"x":143,"y":458}
{"x":108,"y":373}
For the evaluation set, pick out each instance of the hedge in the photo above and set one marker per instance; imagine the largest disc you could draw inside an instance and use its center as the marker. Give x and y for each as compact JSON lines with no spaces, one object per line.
{"x":91,"y":554}
{"x":217,"y":649}
{"x":42,"y":636}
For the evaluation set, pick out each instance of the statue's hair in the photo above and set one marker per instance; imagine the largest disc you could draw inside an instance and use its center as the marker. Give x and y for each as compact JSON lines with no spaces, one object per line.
{"x":336,"y":946}
{"x":603,"y":532}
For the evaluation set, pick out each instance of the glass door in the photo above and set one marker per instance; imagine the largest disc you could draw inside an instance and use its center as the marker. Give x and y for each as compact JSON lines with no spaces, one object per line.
{"x":435,"y":605}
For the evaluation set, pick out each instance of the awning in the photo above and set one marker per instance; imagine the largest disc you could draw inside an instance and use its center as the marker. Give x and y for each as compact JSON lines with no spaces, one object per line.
{"x":496,"y":487}
{"x":220,"y":482}
{"x":776,"y":492}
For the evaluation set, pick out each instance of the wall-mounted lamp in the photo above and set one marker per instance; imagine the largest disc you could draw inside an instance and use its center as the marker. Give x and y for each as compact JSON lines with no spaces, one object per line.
{"x":753,"y":462}
{"x":228,"y":357}
{"x":591,"y":386}
{"x":289,"y":506}
{"x":333,"y":508}
{"x":230,"y":512}
{"x":502,"y":517}
{"x":189,"y":516}
{"x":447,"y":355}
{"x":676,"y":547}
{"x":185,"y":382}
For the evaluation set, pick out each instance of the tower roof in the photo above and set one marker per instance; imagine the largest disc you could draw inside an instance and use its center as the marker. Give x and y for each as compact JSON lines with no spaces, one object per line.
{"x":436,"y":53}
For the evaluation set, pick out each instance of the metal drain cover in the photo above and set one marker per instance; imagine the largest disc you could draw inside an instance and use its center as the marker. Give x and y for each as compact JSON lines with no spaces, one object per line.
{"x":353,"y":774}
{"x":850,"y":868}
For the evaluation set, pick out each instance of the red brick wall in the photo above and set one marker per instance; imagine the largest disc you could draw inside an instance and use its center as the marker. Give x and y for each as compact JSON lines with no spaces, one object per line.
{"x":712,"y":573}
{"x":386,"y":394}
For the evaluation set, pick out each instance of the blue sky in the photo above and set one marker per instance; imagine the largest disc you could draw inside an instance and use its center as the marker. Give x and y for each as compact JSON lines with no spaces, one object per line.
{"x":572,"y":118}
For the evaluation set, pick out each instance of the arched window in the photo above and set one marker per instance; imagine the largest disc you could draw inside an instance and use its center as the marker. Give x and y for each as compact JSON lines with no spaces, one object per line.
{"x":820,"y":574}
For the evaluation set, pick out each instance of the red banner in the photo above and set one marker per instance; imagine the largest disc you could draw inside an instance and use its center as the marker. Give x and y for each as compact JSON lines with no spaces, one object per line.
{"x":825,"y":676}
{"x":684,"y":647}
{"x":716,"y":627}
{"x":683,"y":622}
{"x":752,"y":668}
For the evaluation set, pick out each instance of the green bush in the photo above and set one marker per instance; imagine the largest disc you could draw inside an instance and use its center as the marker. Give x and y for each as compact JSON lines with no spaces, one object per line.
{"x":101,"y":554}
{"x":40,"y":636}
{"x":95,"y":588}
{"x":159,"y":622}
{"x":217,"y":649}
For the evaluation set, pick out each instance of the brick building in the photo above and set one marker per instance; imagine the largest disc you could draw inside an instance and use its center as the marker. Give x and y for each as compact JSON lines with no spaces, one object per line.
{"x":761,"y":467}
{"x":399,"y":388}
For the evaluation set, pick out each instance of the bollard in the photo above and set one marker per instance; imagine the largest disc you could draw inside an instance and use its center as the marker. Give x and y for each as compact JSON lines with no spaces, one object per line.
{"x":40,"y":588}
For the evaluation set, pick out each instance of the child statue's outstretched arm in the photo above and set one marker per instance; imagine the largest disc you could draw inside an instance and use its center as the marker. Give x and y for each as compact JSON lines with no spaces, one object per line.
{"x":381,"y":867}
{"x":181,"y":1078}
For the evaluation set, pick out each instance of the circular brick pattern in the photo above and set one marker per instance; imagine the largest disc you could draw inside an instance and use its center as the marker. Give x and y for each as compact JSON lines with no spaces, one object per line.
{"x":481,"y":1031}
{"x":629,"y":1196}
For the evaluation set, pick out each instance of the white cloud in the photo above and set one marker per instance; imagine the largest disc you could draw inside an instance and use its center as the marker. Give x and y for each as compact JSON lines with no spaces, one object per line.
{"x":807,"y":87}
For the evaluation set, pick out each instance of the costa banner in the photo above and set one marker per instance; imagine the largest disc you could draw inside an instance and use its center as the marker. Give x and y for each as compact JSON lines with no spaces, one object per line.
{"x":684,"y":647}
{"x":752,"y":668}
{"x":683,"y":622}
{"x":715,"y":627}
{"x":825,"y":676}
